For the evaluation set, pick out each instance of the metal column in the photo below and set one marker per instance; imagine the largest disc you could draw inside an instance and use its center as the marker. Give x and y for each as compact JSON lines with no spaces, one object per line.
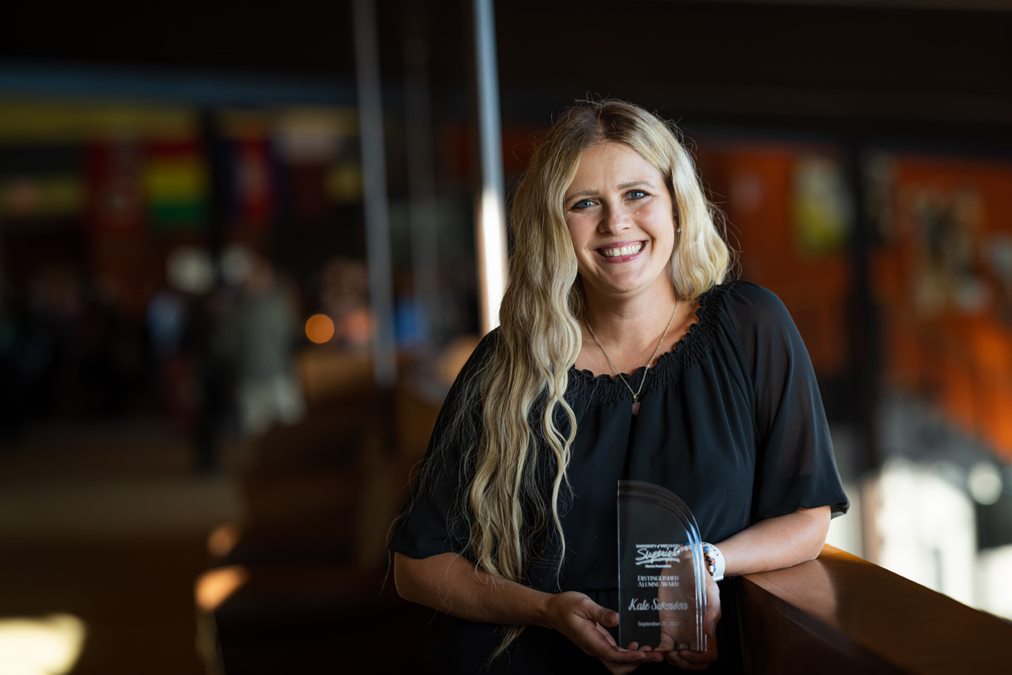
{"x":491,"y":215}
{"x":374,"y":185}
{"x":421,"y":173}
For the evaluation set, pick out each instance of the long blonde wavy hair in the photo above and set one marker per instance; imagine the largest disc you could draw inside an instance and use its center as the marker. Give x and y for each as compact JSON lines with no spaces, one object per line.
{"x":520,"y":388}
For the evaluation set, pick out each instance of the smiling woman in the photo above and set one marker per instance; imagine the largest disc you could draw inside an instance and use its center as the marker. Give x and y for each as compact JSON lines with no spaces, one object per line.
{"x":623,"y":354}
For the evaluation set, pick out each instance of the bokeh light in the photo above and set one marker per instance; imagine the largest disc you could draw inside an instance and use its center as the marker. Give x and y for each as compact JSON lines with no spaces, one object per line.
{"x":48,"y":645}
{"x":319,"y":329}
{"x":985,"y":483}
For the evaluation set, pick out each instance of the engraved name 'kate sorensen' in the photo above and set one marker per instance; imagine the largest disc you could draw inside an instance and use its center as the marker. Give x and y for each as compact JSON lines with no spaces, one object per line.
{"x":637,"y":605}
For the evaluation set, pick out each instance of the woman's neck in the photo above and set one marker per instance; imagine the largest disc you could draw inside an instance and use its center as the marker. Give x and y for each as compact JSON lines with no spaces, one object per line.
{"x":620,"y":337}
{"x":631,"y":322}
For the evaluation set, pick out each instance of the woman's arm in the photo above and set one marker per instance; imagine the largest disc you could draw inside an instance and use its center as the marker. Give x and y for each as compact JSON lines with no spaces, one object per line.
{"x":768,"y":545}
{"x":449,"y":583}
{"x":776,"y":542}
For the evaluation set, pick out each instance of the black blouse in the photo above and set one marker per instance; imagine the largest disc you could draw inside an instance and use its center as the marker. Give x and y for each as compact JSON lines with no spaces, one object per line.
{"x":731,"y":420}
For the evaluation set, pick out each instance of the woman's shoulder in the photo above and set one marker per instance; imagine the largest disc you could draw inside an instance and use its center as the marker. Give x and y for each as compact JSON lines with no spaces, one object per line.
{"x":487,"y":345}
{"x":752,"y":312}
{"x":751,"y":307}
{"x":470,"y":355}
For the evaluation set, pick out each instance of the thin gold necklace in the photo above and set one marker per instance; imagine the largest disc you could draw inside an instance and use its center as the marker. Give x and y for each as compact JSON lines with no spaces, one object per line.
{"x":660,"y":340}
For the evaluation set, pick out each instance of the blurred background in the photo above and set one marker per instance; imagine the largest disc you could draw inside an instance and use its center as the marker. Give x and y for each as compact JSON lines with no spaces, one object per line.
{"x":240,"y":260}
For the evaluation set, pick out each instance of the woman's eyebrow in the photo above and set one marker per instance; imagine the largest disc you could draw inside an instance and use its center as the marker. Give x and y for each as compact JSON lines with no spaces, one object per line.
{"x":623,"y":186}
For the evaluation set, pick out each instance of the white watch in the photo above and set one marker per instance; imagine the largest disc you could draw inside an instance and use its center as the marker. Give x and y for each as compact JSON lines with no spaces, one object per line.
{"x":714,"y":561}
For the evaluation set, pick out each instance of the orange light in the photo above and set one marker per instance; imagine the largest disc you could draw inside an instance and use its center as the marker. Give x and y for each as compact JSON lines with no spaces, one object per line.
{"x":319,"y":329}
{"x":222,"y":540}
{"x":218,"y":585}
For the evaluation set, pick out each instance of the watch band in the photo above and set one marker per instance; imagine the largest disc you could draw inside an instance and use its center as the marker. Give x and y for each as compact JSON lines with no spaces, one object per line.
{"x":714,"y":561}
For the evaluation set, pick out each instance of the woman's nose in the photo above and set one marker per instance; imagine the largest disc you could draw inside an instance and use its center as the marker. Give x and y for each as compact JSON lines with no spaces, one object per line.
{"x":614,"y":220}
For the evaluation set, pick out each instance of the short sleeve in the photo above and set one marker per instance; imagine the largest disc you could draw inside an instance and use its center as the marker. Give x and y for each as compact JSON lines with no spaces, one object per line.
{"x":795,"y":465}
{"x":431,"y":522}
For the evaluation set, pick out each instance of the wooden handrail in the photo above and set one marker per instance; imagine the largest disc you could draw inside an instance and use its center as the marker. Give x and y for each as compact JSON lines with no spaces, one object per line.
{"x":842,"y":614}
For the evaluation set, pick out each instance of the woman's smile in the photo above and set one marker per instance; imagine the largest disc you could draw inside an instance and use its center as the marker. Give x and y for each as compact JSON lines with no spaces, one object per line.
{"x":622,"y":251}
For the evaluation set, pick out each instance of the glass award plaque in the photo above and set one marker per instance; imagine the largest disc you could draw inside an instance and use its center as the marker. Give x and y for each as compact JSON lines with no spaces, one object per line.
{"x":661,"y":582}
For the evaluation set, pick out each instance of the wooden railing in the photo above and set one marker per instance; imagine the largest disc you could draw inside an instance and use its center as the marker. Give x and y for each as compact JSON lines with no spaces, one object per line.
{"x":842,"y":614}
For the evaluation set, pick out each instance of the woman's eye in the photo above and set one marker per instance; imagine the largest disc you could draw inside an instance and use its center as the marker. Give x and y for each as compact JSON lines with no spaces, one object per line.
{"x":636,"y":194}
{"x":582,"y":204}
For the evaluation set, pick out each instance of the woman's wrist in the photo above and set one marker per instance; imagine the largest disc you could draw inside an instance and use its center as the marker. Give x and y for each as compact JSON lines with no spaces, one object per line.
{"x":714,"y":560}
{"x":543,"y":615}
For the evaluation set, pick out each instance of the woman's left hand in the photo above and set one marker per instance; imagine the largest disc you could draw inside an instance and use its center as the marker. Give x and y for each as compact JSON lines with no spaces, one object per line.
{"x":623,"y":668}
{"x":691,"y":660}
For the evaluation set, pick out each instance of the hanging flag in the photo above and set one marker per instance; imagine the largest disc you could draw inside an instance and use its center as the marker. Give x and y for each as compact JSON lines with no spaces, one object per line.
{"x":253,"y":188}
{"x":176,"y":184}
{"x":115,"y":192}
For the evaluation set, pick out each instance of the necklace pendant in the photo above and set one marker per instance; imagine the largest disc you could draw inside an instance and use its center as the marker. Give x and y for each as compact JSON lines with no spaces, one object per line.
{"x":636,"y":407}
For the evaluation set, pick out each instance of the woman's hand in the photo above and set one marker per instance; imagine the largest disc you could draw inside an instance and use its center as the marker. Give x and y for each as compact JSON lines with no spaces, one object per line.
{"x":690,"y":660}
{"x":584,"y":623}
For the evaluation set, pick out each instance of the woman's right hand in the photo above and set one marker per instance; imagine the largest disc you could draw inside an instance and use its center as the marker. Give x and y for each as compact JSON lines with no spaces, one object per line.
{"x":585,"y":624}
{"x":690,"y":660}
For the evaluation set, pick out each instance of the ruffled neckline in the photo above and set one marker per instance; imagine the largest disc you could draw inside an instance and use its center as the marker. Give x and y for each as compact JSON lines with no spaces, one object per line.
{"x":686,"y":351}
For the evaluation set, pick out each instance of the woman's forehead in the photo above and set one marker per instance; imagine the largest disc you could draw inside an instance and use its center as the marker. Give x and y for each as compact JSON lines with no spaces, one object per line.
{"x":612,"y":164}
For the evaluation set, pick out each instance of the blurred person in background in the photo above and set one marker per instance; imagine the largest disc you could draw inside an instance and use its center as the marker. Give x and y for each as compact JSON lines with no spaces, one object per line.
{"x":166,"y":322}
{"x":344,"y":292}
{"x":11,"y":372}
{"x":102,"y":349}
{"x":206,"y":377}
{"x":624,"y":353}
{"x":259,"y":335}
{"x":47,"y":336}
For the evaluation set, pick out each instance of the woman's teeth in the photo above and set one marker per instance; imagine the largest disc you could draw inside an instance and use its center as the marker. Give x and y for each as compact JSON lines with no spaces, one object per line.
{"x":622,"y":250}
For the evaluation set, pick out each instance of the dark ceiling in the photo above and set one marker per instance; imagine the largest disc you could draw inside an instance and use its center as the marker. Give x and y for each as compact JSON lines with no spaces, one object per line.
{"x":822,"y":67}
{"x":855,"y":70}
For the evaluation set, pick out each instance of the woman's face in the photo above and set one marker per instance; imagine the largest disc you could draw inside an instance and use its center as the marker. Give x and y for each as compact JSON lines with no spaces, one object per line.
{"x":622,"y":223}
